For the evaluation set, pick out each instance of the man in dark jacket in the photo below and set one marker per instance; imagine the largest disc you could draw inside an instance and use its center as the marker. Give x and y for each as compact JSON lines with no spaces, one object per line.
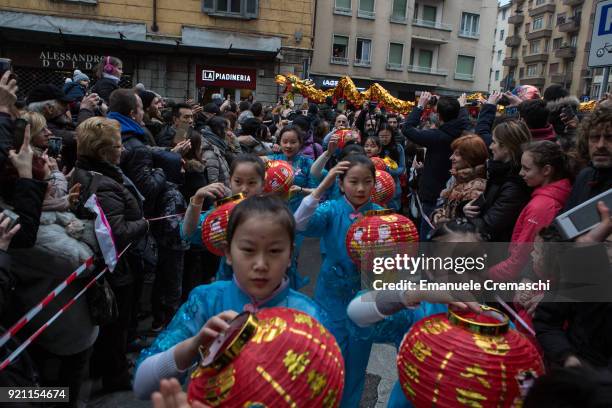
{"x":454,"y":120}
{"x":182,"y":117}
{"x":535,"y":114}
{"x":137,"y":158}
{"x":52,"y":103}
{"x":573,"y":334}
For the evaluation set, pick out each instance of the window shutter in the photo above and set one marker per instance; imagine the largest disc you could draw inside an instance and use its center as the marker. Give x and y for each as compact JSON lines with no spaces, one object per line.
{"x":252,"y":8}
{"x":344,"y":4}
{"x":399,"y":9}
{"x":465,"y":65}
{"x":366,"y":5}
{"x":208,"y":6}
{"x":395,"y":53}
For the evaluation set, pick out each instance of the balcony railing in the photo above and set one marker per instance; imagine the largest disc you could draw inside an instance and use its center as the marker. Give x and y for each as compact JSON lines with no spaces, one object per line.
{"x":339,"y":60}
{"x":343,"y":11}
{"x":510,"y":62}
{"x":516,"y":19}
{"x":567,"y":52}
{"x":395,"y":67}
{"x":366,"y":14}
{"x":561,"y":78}
{"x":427,"y":70}
{"x":432,"y":24}
{"x":534,"y":35}
{"x":362,"y":62}
{"x":544,"y":8}
{"x":536,"y":80}
{"x":469,"y":34}
{"x":570,"y":25}
{"x":513,"y":41}
{"x":572,"y":2}
{"x":464,"y":77}
{"x":529,"y":59}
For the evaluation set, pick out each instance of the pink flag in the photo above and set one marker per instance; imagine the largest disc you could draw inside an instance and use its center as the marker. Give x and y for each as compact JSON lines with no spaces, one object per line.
{"x":104,"y":234}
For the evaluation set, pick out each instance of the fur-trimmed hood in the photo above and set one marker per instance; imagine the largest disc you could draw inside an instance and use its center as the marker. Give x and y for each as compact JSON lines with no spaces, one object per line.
{"x":554,"y":107}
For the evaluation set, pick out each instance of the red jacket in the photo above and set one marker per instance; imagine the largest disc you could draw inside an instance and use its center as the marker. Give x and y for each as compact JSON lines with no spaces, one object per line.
{"x":547,"y":133}
{"x":540,"y":211}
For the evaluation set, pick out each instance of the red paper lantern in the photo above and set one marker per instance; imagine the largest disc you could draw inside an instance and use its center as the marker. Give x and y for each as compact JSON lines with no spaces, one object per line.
{"x":279,"y":177}
{"x":379,"y":163}
{"x":214,"y":227}
{"x":384,"y":188}
{"x":278,"y":358}
{"x":466,"y":359}
{"x":379,"y":233}
{"x":343,"y":136}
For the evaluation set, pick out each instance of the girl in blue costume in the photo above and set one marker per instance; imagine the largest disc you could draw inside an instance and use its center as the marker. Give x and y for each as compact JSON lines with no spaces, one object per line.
{"x":339,"y":279}
{"x":291,"y":140}
{"x":260,"y":237}
{"x":247,"y":177}
{"x":395,"y":152}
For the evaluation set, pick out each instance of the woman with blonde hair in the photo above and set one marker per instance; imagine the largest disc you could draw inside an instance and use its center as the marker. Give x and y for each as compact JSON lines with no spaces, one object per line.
{"x":97,"y":170}
{"x":506,"y":193}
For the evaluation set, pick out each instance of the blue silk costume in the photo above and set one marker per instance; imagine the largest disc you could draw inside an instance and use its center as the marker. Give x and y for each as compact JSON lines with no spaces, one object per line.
{"x":338,"y":282}
{"x":225,"y":271}
{"x":396,"y":201}
{"x":206,"y":301}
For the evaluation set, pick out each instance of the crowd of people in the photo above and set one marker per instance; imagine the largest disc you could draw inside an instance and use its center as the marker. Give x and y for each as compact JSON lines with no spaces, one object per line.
{"x":156,"y":167}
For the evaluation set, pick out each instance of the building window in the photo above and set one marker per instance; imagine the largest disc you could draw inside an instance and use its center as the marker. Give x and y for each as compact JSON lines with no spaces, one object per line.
{"x":504,"y":13}
{"x":366,"y":9}
{"x":470,"y":25}
{"x":425,"y":58}
{"x":246,"y":9}
{"x":561,"y":18}
{"x":340,"y":50}
{"x":553,"y":68}
{"x":532,"y":70}
{"x":538,"y":23}
{"x":574,"y":41}
{"x":396,"y":56}
{"x":534,"y":47}
{"x":398,"y":12}
{"x":363,"y":52}
{"x":497,"y":75}
{"x":429,"y":14}
{"x":343,"y":7}
{"x":557,"y":43}
{"x":465,"y":68}
{"x":540,"y":2}
{"x":499,"y":55}
{"x":501,"y":35}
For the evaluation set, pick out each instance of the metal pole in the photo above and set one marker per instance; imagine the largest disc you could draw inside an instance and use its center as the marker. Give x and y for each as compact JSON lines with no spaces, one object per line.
{"x":604,"y":83}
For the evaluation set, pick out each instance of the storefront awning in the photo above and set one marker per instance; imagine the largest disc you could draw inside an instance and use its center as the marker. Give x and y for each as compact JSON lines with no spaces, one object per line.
{"x":132,"y":35}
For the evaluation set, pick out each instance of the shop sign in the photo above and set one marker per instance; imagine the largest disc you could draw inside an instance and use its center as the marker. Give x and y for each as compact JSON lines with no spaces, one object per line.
{"x":68,"y":60}
{"x":226,"y":77}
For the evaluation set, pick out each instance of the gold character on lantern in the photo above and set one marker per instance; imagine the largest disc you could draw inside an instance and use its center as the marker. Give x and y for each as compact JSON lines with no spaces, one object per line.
{"x":421,"y":351}
{"x":296,"y":363}
{"x":303,"y":319}
{"x":495,"y":345}
{"x":476,"y":372}
{"x":435,"y":327}
{"x":220,"y":386}
{"x":316,"y":382}
{"x":470,"y":398}
{"x":330,"y":399}
{"x":269,"y":329}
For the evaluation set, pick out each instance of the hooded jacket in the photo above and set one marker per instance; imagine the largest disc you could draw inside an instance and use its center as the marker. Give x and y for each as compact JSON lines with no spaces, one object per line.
{"x":215,"y":153}
{"x":545,"y":203}
{"x":437,"y":142}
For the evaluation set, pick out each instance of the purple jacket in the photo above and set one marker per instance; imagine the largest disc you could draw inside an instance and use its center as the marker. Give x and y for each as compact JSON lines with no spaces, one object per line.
{"x":310,"y":148}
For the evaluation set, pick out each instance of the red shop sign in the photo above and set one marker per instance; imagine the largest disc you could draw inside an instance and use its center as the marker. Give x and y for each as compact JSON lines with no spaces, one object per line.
{"x":225,"y":77}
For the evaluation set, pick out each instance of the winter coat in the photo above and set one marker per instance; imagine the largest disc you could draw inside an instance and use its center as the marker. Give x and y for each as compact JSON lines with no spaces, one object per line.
{"x":165,"y":137}
{"x":437,"y":142}
{"x":545,"y":203}
{"x":547,"y":133}
{"x":66,"y":130}
{"x":467,"y":185}
{"x":137,"y":162}
{"x":215,"y":153}
{"x":589,"y":183}
{"x":75,"y":91}
{"x":195,"y":177}
{"x":104,"y":87}
{"x":555,"y":108}
{"x":484,"y":125}
{"x":60,"y":249}
{"x":121,"y":203}
{"x":155,"y":126}
{"x":505,"y":196}
{"x":310,"y":148}
{"x":7,"y":281}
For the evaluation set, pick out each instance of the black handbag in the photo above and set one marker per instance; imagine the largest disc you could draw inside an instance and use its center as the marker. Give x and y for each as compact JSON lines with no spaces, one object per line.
{"x":102,"y":304}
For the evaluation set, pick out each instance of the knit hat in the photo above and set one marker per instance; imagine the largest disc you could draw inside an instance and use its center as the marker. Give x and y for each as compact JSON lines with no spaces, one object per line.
{"x":79,"y":76}
{"x":147,"y":97}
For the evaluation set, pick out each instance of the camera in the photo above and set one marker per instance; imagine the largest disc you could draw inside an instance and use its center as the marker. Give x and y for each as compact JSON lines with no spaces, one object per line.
{"x":504,"y":101}
{"x":6,"y":65}
{"x":55,"y":146}
{"x":10,"y":214}
{"x":433,"y":101}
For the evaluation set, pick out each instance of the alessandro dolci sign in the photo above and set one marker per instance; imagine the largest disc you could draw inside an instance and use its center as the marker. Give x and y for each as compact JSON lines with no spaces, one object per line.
{"x":226,"y":77}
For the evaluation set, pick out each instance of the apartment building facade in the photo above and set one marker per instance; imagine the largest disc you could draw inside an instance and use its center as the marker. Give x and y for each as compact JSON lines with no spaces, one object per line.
{"x":181,"y":49}
{"x":499,"y":46}
{"x":405,"y":45}
{"x":549,"y":44}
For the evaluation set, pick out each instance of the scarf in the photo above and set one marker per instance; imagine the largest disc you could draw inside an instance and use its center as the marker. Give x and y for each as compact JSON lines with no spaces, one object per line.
{"x":128,"y":125}
{"x":111,"y":77}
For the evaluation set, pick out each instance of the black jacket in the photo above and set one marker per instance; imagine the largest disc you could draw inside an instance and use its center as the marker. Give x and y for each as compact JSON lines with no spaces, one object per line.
{"x":67,"y":132}
{"x":137,"y":164}
{"x":104,"y":87}
{"x":437,"y":158}
{"x":589,"y":183}
{"x":505,"y":196}
{"x":484,"y":125}
{"x":7,"y":281}
{"x":165,"y":137}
